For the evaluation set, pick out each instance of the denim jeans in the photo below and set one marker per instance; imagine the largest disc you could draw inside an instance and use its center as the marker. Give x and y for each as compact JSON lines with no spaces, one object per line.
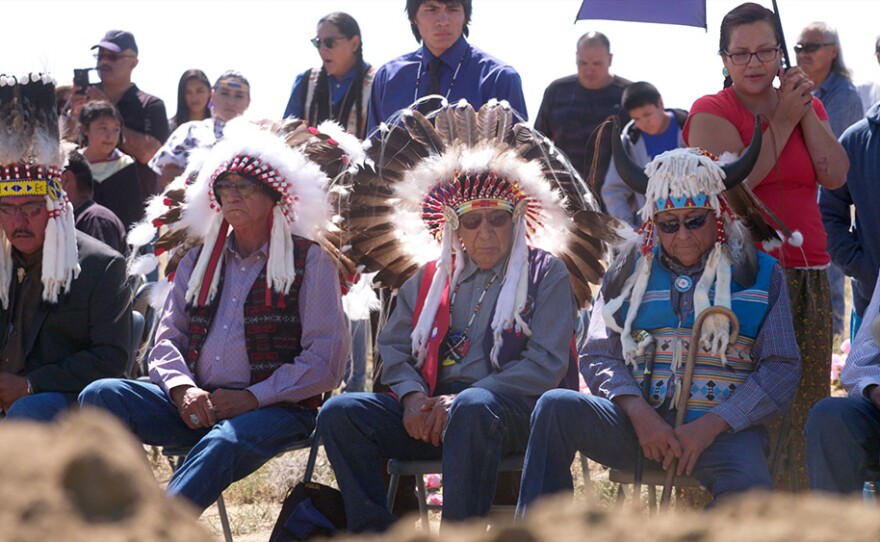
{"x":356,"y":369}
{"x":843,"y":440}
{"x":565,"y":422}
{"x":229,"y":451}
{"x":359,"y":429}
{"x":41,"y":407}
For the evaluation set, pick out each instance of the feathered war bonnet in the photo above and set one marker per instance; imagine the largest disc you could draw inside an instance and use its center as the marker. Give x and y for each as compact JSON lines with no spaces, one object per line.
{"x":294,"y":163}
{"x":686,"y":178}
{"x":421,"y":176}
{"x":31,"y":162}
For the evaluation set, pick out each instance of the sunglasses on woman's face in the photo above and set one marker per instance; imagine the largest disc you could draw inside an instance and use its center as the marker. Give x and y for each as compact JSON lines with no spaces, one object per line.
{"x":472,"y":221}
{"x":690,"y":223}
{"x":328,"y":42}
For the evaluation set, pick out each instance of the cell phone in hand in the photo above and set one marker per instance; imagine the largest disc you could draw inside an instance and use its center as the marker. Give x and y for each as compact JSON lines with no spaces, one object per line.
{"x":83,"y":78}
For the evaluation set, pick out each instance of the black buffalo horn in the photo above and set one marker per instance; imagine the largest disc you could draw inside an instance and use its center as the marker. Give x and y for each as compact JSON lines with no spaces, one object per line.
{"x":633,"y":175}
{"x":739,"y":170}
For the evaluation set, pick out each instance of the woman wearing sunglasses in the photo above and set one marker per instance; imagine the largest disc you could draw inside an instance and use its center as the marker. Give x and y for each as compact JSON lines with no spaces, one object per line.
{"x":340,"y":88}
{"x":799,"y":153}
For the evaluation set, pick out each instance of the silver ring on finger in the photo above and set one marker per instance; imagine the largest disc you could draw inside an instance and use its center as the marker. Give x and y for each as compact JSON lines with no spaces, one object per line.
{"x":194,"y":419}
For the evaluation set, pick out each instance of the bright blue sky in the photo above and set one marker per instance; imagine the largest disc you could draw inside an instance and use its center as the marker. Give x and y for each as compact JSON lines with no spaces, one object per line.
{"x":267,"y":40}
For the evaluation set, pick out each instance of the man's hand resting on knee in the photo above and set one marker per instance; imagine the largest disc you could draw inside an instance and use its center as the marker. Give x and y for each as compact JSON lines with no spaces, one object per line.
{"x":425,"y":417}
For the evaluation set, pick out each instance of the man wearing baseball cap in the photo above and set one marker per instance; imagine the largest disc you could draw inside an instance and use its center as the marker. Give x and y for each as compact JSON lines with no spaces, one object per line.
{"x":145,"y":123}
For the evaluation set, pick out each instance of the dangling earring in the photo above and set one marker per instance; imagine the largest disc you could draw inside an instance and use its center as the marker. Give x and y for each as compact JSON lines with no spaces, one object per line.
{"x":725,"y":72}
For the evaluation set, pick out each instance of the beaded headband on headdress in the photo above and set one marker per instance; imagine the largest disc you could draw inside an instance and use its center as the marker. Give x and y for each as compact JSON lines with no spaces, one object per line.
{"x":30,"y":165}
{"x":427,"y":171}
{"x":293,"y":161}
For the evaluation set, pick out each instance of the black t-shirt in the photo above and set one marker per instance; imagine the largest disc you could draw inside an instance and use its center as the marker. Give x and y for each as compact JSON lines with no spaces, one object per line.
{"x":570,"y":114}
{"x":144,"y":113}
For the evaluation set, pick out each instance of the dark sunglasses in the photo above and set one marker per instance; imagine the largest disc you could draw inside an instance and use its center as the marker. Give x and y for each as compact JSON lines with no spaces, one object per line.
{"x":328,"y":42}
{"x":110,"y":57}
{"x":692,"y":223}
{"x":496,"y":219}
{"x":244,"y":188}
{"x":809,"y":48}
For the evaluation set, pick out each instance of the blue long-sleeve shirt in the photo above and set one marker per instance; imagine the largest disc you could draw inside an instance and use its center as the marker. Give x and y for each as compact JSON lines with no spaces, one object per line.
{"x":856,"y":249}
{"x":480,"y":78}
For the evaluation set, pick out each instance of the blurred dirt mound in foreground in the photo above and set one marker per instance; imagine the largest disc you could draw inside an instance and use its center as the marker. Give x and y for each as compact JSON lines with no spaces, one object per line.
{"x":84,"y":479}
{"x":759,"y":516}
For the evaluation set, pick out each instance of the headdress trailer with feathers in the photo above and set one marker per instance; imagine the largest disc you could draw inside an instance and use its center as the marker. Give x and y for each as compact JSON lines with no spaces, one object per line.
{"x":30,"y":165}
{"x":297,"y":164}
{"x":403,"y":206}
{"x":691,"y":178}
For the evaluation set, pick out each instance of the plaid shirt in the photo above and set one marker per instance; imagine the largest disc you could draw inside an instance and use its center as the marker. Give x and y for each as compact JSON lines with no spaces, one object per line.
{"x":862,"y":367}
{"x":768,"y":391}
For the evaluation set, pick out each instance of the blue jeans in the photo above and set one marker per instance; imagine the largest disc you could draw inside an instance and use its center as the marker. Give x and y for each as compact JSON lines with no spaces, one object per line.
{"x":220,"y":455}
{"x":360,"y":429}
{"x":565,"y":422}
{"x":843,"y":441}
{"x":41,"y":407}
{"x":356,"y":369}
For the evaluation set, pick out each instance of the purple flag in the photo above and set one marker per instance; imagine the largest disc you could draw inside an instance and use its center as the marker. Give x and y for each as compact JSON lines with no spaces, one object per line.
{"x":684,"y":12}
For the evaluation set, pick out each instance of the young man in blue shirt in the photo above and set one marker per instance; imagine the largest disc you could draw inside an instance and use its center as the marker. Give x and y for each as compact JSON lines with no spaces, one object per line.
{"x":445,"y":65}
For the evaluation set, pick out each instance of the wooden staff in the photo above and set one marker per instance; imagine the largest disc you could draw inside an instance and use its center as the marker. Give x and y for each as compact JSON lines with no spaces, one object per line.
{"x":685,"y":392}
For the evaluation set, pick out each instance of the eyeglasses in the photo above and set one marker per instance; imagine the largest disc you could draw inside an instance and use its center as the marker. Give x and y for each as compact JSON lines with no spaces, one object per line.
{"x":764,"y":55}
{"x":244,"y":188}
{"x":110,"y":57}
{"x":496,"y":219}
{"x":691,"y":223}
{"x":809,"y":48}
{"x":28,"y":209}
{"x":328,"y":42}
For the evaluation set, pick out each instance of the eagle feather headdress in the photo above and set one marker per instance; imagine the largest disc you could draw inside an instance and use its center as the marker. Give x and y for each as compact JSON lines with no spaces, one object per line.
{"x":402,"y":206}
{"x":296,"y":162}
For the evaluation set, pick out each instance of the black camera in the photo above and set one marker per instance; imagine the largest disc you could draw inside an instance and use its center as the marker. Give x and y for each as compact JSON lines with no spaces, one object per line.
{"x":84,"y":78}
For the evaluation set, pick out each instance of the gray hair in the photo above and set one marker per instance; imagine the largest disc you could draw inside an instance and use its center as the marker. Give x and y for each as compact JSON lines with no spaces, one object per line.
{"x":830,"y":35}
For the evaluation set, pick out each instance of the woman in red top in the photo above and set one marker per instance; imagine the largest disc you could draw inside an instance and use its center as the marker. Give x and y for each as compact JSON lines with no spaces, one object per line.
{"x":799,"y":153}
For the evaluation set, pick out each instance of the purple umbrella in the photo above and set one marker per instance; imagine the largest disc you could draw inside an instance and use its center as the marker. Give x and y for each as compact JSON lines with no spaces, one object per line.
{"x":683,"y":12}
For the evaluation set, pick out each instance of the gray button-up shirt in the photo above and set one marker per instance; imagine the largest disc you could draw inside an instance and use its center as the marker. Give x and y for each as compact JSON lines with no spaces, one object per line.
{"x":543,"y":362}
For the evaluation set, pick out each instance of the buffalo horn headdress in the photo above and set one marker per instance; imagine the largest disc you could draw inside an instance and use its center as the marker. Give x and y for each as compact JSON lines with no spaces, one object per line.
{"x":691,"y":178}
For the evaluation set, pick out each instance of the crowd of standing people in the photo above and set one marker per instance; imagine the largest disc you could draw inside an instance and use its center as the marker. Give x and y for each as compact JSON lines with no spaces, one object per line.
{"x":744,"y":202}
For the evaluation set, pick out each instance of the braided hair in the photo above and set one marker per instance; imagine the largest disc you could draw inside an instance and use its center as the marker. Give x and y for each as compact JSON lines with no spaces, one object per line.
{"x":320,"y":108}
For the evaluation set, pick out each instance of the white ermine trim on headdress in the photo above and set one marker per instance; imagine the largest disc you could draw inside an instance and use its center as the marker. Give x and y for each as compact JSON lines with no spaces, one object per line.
{"x":30,"y":165}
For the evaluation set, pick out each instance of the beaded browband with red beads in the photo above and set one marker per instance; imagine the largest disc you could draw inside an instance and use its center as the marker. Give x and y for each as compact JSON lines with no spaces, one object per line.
{"x":469,"y":190}
{"x":255,"y":168}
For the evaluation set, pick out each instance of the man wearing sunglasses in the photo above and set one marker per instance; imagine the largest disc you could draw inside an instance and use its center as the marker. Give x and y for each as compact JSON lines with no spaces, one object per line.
{"x":690,"y":255}
{"x":145,"y":123}
{"x":445,"y":65}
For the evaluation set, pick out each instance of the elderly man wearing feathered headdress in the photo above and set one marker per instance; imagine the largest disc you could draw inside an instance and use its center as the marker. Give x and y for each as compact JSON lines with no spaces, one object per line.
{"x":252,"y":332}
{"x":64,"y":302}
{"x":483,"y":328}
{"x":640,"y":337}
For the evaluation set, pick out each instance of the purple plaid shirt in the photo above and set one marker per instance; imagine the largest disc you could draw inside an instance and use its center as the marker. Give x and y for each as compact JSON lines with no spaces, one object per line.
{"x":769,"y":390}
{"x":223,"y":362}
{"x":862,"y":368}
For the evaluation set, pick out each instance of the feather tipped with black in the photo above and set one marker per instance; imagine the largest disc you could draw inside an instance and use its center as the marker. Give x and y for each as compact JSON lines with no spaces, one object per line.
{"x":466,"y":124}
{"x":752,"y":211}
{"x":444,"y":123}
{"x":494,"y":122}
{"x":421,"y":130}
